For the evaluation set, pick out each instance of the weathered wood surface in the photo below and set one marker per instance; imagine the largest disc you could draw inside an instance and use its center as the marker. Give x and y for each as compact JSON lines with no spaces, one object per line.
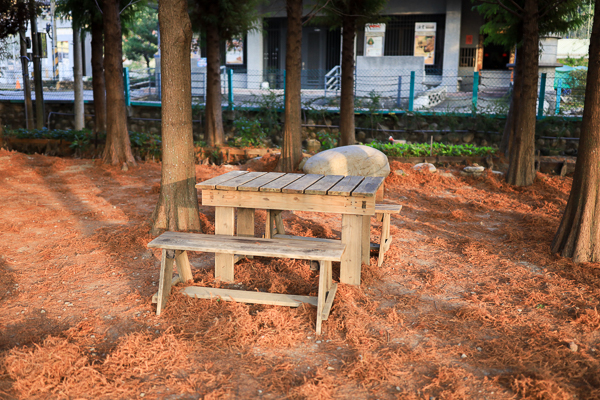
{"x":323,"y":185}
{"x":244,"y":296}
{"x":369,"y":186}
{"x":301,"y":183}
{"x":388,"y":208}
{"x":346,"y":186}
{"x":224,"y":244}
{"x":217,"y":180}
{"x":233,"y":184}
{"x":255,"y":184}
{"x":280,"y":183}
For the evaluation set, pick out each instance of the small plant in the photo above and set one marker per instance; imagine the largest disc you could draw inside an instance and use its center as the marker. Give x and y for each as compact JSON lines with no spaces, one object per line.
{"x":423,"y":149}
{"x":328,"y":140}
{"x":250,"y":132}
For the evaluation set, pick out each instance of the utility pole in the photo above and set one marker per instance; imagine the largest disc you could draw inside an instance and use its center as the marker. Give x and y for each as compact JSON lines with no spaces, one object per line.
{"x":77,"y":76}
{"x":37,"y":70}
{"x":54,"y":40}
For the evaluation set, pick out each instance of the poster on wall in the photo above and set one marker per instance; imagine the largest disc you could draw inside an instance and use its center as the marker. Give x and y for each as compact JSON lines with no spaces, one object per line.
{"x":425,"y":41}
{"x":374,"y":35}
{"x":235,"y":52}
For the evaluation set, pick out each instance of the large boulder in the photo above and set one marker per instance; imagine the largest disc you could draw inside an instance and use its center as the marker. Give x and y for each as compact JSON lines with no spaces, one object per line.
{"x":349,"y":160}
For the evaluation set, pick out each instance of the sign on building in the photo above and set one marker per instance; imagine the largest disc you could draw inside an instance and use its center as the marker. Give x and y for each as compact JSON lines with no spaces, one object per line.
{"x":374,"y":37}
{"x":425,"y":41}
{"x":235,"y":52}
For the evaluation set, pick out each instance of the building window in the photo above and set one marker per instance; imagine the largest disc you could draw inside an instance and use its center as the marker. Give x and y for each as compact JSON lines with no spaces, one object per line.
{"x":467,"y":56}
{"x":62,"y":48}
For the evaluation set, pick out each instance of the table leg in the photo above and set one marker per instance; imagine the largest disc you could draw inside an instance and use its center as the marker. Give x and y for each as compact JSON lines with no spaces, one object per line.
{"x":352,"y":227}
{"x":366,"y":239}
{"x":224,"y":225}
{"x":245,"y":223}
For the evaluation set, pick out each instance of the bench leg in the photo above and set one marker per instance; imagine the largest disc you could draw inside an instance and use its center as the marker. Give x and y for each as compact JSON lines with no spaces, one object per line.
{"x":386,"y":239}
{"x":278,"y":222}
{"x":166,"y":278}
{"x":224,"y":225}
{"x":274,"y":224}
{"x":352,"y":226}
{"x":324,"y":286}
{"x":183,"y":265}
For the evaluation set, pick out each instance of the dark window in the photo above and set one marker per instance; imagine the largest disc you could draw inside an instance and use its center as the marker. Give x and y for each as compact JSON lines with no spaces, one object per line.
{"x":495,"y":57}
{"x":467,"y":57}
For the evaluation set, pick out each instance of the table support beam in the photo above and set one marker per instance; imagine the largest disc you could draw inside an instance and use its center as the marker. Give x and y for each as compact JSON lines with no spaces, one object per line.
{"x":352,"y":228}
{"x":224,"y":225}
{"x":366,"y":239}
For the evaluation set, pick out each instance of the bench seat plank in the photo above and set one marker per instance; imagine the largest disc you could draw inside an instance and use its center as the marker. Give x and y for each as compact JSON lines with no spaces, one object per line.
{"x":298,"y":186}
{"x":304,"y":250}
{"x":387,"y":208}
{"x":322,"y":186}
{"x":368,"y":187}
{"x":254,"y":185}
{"x":245,"y":296}
{"x":346,"y":186}
{"x":217,"y":180}
{"x":233,"y":184}
{"x":279,"y":183}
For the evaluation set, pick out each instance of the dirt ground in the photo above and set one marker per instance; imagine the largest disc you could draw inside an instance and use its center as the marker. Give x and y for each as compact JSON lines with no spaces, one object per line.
{"x":469,"y":303}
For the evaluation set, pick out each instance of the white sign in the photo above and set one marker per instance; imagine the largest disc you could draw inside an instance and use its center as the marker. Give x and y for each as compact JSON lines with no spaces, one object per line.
{"x":235,"y":52}
{"x":374,"y":39}
{"x":425,"y":41}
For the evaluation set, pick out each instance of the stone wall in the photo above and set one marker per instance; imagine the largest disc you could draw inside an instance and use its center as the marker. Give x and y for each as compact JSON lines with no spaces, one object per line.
{"x":554,"y":135}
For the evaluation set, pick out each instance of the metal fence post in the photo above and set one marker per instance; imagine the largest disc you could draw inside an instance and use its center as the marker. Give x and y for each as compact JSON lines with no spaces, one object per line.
{"x":558,"y":93}
{"x":230,"y":88}
{"x":542,"y":95}
{"x":411,"y":95}
{"x":127,"y":88}
{"x":475,"y":90}
{"x":398,"y":100}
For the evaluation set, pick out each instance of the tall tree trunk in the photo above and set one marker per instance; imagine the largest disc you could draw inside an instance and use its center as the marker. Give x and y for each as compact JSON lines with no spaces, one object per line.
{"x":118,"y":147}
{"x":29,"y":121}
{"x":98,"y":84}
{"x":578,"y":235}
{"x":40,"y":113}
{"x":347,"y":93}
{"x":177,"y":207}
{"x":291,"y":154}
{"x":521,"y":168}
{"x":214,"y":117}
{"x":77,"y":77}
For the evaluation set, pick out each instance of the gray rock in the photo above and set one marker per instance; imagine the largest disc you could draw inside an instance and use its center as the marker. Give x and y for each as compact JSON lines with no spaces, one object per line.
{"x":474,"y":169}
{"x":437,"y":137}
{"x":349,"y":160}
{"x":313,"y":145}
{"x":468,"y":138}
{"x":433,"y":126}
{"x":360,"y":136}
{"x":425,"y":167}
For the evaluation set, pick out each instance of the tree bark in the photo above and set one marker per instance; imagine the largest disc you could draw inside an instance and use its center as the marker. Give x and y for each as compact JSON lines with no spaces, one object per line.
{"x":77,"y":78}
{"x":40,"y":113}
{"x":291,"y":153}
{"x":98,"y":84}
{"x":521,"y":168}
{"x":214,"y":116}
{"x":347,"y":130}
{"x":117,"y":150}
{"x":177,"y":207}
{"x":578,"y":235}
{"x":29,"y":121}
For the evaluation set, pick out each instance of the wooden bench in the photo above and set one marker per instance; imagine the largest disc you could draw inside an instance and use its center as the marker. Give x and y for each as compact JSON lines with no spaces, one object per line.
{"x":176,"y":244}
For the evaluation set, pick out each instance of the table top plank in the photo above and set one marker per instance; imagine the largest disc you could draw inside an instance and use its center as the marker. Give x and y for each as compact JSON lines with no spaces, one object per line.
{"x":217,"y":180}
{"x":345,"y":186}
{"x":255,"y":184}
{"x":279,"y":183}
{"x":368,"y":187}
{"x":298,"y":186}
{"x":233,"y":184}
{"x":323,"y":185}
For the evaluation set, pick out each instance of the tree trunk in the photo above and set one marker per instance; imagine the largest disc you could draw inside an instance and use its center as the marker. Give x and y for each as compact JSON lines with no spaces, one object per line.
{"x":521,"y":168}
{"x":214,"y":117}
{"x":77,"y":78}
{"x":29,"y":122}
{"x":118,"y":147}
{"x":347,"y":130}
{"x":291,"y":154}
{"x":578,"y":235}
{"x":40,"y":113}
{"x":98,"y":84}
{"x":177,"y":207}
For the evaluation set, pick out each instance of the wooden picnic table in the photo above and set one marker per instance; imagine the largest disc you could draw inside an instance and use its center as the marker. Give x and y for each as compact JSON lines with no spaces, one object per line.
{"x":351,"y":196}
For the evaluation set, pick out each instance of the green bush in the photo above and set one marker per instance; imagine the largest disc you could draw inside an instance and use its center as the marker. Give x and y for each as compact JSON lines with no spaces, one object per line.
{"x":423,"y":149}
{"x":249,"y":132}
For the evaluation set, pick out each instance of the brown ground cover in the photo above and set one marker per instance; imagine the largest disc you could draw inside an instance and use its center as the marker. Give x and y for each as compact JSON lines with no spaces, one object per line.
{"x":469,"y":304}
